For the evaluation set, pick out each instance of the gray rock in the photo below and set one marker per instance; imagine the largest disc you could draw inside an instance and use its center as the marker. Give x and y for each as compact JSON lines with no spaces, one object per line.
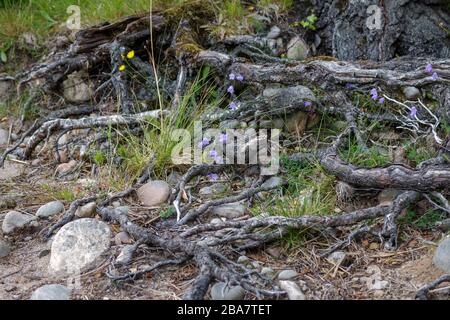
{"x":411,"y":93}
{"x":293,"y":95}
{"x":86,"y":211}
{"x":5,"y":249}
{"x":11,"y":170}
{"x":273,"y":182}
{"x":51,"y":292}
{"x":123,"y":209}
{"x":15,"y":221}
{"x":76,"y":89}
{"x":116,"y":204}
{"x":126,"y":255}
{"x":79,"y":245}
{"x":287,"y":274}
{"x":220,"y":291}
{"x":216,"y":221}
{"x":215,"y":189}
{"x":243,"y":260}
{"x":293,"y":290}
{"x":229,"y":210}
{"x":442,"y":255}
{"x":50,"y":209}
{"x":268,"y":272}
{"x":274,"y":32}
{"x":337,"y":257}
{"x":297,"y":49}
{"x":4,"y":136}
{"x":154,"y":193}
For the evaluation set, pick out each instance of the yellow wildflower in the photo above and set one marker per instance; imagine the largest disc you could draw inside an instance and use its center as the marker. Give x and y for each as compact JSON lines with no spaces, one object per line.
{"x":122,"y":68}
{"x":130,"y":54}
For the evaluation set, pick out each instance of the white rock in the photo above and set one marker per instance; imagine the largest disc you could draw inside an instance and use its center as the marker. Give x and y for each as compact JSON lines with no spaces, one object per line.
{"x":274,"y":32}
{"x":293,"y":290}
{"x":15,"y":221}
{"x":380,"y":284}
{"x":51,"y":292}
{"x":220,"y":291}
{"x":50,"y":209}
{"x":78,"y":246}
{"x":4,"y":136}
{"x":243,"y":260}
{"x":273,"y":182}
{"x":154,"y":193}
{"x":411,"y":93}
{"x":287,"y":274}
{"x":86,"y":211}
{"x":442,"y":255}
{"x":216,"y":221}
{"x":229,"y":210}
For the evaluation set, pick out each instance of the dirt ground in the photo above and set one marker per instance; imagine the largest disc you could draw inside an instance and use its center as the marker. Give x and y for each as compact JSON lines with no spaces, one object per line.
{"x":403,"y":272}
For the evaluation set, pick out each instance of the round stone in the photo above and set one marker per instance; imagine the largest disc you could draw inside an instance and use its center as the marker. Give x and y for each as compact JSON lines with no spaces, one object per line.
{"x":86,"y":211}
{"x":220,"y":291}
{"x":50,"y":209}
{"x":51,"y":292}
{"x":442,"y":255}
{"x":229,"y":210}
{"x":15,"y":221}
{"x":154,"y":193}
{"x":287,"y":274}
{"x":79,"y":245}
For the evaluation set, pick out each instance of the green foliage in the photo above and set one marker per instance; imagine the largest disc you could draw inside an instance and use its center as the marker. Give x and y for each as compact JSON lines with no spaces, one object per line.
{"x":308,"y":23}
{"x":60,"y":192}
{"x":368,"y":158}
{"x":426,"y":221}
{"x":43,"y":17}
{"x":418,"y":154}
{"x":99,"y":157}
{"x":310,"y":191}
{"x":167,"y":212}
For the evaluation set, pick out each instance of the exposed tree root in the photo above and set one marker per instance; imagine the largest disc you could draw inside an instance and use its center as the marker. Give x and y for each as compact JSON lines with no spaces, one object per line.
{"x":422,"y":294}
{"x":103,"y":50}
